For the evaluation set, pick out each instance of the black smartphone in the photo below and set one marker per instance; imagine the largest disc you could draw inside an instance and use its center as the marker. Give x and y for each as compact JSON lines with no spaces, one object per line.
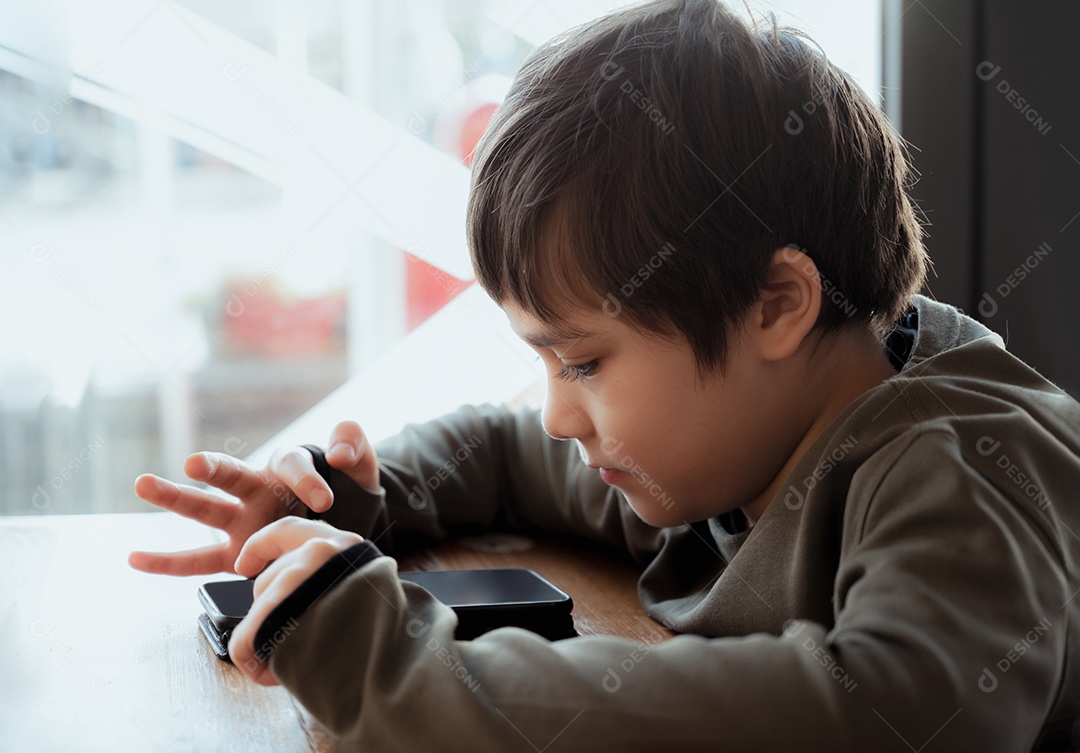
{"x":482,"y":599}
{"x":500,"y":597}
{"x":226,"y":603}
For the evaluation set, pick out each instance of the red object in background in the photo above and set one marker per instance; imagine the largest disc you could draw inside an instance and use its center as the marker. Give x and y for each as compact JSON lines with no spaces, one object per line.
{"x":473,"y":127}
{"x":260,"y":320}
{"x":428,"y":288}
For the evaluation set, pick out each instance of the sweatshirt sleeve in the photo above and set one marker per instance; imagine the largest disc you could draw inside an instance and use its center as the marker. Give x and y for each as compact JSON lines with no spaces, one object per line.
{"x":477,"y":469}
{"x":941,"y":580}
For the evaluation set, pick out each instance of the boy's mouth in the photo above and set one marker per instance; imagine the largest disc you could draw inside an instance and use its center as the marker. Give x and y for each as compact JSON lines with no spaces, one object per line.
{"x":610,"y":476}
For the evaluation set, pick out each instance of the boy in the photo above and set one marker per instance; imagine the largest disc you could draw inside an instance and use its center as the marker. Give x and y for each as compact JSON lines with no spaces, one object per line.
{"x":856,"y":506}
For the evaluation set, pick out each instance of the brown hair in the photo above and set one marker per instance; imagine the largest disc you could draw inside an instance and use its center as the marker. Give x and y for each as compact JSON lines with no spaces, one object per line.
{"x":650,"y":162}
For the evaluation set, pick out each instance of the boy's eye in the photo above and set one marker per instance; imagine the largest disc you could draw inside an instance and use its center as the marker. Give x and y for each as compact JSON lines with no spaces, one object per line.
{"x":578,"y":371}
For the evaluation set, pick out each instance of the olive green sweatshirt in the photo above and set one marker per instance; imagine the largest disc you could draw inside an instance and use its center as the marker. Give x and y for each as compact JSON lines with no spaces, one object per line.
{"x":913,"y":587}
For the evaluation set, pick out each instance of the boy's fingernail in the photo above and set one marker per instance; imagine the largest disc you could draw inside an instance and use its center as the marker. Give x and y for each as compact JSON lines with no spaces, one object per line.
{"x":344,"y":449}
{"x":320,"y":499}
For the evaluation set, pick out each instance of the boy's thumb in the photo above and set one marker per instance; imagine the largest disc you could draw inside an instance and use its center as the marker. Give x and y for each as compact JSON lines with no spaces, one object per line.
{"x":359,"y":464}
{"x":341,"y":454}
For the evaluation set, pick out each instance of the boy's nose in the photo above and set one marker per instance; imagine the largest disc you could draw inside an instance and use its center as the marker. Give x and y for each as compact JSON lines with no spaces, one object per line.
{"x":561,"y":418}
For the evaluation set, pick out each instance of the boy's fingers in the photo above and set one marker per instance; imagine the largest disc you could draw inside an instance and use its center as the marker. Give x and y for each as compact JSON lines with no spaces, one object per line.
{"x":312,"y":554}
{"x":241,"y":645}
{"x":351,"y":452}
{"x":225,"y":472}
{"x":274,"y":540}
{"x":296,"y":470}
{"x":347,"y":442}
{"x":202,"y":561}
{"x":185,"y":500}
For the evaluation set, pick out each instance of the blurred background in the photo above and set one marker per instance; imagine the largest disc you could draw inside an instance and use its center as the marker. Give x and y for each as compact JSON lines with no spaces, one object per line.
{"x":215,"y":217}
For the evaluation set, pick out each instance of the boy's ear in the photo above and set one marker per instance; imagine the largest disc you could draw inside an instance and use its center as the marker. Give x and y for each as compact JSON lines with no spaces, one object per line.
{"x":788,"y":306}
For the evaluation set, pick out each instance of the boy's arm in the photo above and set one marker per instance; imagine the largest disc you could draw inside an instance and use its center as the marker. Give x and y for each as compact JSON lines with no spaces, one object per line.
{"x":479,"y":468}
{"x":942,"y":580}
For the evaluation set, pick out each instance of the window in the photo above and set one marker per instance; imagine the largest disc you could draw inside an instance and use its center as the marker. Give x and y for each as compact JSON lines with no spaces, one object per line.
{"x":215,"y":214}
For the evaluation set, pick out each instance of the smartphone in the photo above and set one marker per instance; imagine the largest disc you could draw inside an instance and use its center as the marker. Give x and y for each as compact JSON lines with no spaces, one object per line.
{"x":482,"y":599}
{"x":503,"y":597}
{"x":226,"y":603}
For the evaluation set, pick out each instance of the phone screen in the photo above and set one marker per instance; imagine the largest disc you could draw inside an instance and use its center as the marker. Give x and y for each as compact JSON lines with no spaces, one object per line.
{"x":231,"y":600}
{"x":474,"y":588}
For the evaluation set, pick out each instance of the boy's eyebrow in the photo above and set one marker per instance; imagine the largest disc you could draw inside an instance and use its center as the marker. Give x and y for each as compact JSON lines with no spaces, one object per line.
{"x":551,"y":339}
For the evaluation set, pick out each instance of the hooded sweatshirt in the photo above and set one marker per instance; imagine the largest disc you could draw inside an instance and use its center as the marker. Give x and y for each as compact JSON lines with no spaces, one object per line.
{"x":913,"y":585}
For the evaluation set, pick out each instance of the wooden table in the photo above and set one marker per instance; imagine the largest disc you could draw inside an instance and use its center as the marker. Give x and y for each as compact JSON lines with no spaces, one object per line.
{"x":96,"y":656}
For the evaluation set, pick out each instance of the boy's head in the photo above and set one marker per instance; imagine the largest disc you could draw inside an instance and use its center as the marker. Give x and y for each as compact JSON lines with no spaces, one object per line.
{"x":649,"y":179}
{"x":651,"y":162}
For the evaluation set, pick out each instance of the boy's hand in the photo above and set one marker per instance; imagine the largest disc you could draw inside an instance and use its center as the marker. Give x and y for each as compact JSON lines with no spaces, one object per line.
{"x":262,"y":496}
{"x":295,"y":548}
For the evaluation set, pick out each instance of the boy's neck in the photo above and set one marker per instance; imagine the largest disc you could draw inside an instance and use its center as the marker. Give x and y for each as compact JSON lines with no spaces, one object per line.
{"x":846,"y":368}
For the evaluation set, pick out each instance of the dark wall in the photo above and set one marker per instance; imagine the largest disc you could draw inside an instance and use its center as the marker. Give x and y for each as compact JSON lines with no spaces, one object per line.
{"x":990,"y":104}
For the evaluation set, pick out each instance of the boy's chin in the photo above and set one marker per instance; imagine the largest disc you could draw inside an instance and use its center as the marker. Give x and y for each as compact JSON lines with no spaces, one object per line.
{"x":666,"y":512}
{"x":657,"y":513}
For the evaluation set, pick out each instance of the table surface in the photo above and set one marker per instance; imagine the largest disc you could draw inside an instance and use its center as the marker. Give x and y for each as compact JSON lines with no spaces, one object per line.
{"x":96,"y":656}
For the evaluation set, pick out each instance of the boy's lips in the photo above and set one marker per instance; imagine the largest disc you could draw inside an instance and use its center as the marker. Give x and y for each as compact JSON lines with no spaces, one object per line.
{"x":608,"y":475}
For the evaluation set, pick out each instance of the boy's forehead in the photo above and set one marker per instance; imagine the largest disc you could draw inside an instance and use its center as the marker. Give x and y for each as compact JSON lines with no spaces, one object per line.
{"x":578,"y":325}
